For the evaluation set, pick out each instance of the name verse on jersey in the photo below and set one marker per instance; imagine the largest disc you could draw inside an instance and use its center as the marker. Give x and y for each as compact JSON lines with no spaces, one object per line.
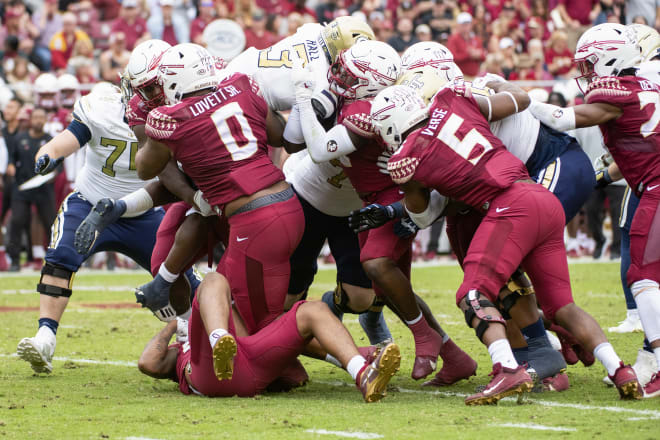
{"x":437,"y":117}
{"x":213,"y":100}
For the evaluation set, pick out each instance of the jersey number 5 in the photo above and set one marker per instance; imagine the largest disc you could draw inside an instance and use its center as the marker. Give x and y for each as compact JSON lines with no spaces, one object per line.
{"x":120,"y":146}
{"x":234,"y":131}
{"x":464,"y":147}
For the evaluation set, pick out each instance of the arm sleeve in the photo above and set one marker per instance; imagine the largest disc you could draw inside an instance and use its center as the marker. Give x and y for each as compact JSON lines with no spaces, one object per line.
{"x":323,"y":146}
{"x":437,"y":204}
{"x":80,"y":131}
{"x":558,"y":118}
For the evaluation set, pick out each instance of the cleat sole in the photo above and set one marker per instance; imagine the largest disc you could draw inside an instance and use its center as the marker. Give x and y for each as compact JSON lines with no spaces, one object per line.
{"x":388,"y":365}
{"x":29,"y":353}
{"x":223,"y":357}
{"x":524,"y":387}
{"x":630,"y":391}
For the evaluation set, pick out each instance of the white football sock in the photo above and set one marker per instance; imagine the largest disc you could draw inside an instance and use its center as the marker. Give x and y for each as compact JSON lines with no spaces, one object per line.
{"x":500,"y":351}
{"x":137,"y":202}
{"x":333,"y":360}
{"x":647,"y":297}
{"x":605,"y":353}
{"x":217,"y":334}
{"x":166,"y":274}
{"x":445,"y":338}
{"x":355,"y":365}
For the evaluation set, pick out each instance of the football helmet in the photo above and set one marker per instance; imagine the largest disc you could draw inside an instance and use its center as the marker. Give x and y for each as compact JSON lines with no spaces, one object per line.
{"x":426,"y":81}
{"x":364,"y":70}
{"x":341,"y":33}
{"x":648,"y":40}
{"x":69,"y":87}
{"x":45,"y":91}
{"x":430,"y":53}
{"x":605,"y":50}
{"x":394,"y":111}
{"x":141,"y":73}
{"x":186,"y":68}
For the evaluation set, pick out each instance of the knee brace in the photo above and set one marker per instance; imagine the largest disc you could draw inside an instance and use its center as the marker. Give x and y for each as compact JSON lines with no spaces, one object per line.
{"x":58,"y":272}
{"x":377,"y":305}
{"x":341,"y":300}
{"x":475,"y":309}
{"x":507,"y":303}
{"x":516,"y":287}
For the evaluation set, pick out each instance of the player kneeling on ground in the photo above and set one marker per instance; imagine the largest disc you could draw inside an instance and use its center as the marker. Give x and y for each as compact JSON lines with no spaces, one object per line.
{"x":216,"y":362}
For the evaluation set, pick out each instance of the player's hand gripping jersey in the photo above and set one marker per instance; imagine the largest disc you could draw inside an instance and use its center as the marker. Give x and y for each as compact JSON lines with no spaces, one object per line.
{"x":109,"y":169}
{"x":271,"y":67}
{"x":220,"y":139}
{"x":632,"y":138}
{"x":456,"y":154}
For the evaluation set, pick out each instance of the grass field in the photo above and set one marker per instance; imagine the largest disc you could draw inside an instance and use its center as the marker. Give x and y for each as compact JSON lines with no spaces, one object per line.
{"x":95,"y":390}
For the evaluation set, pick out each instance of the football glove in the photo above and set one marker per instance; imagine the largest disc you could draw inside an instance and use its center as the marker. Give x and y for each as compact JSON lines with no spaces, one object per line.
{"x":303,"y":80}
{"x":602,"y":178}
{"x":45,"y":164}
{"x":374,"y":216}
{"x":405,"y":228}
{"x":155,"y":295}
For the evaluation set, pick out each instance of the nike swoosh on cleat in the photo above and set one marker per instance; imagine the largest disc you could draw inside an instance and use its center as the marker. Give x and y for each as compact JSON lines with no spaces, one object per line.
{"x":490,"y":390}
{"x":239,"y":239}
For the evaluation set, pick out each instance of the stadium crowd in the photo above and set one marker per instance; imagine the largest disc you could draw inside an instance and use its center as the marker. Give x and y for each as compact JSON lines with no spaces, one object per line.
{"x":530,"y":205}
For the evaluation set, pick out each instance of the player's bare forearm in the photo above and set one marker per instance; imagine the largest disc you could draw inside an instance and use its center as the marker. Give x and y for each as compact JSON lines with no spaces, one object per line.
{"x":587,"y":115}
{"x":151,"y":159}
{"x":138,"y":131}
{"x":508,"y":99}
{"x":156,"y":360}
{"x":416,"y":197}
{"x":614,"y":172}
{"x":175,"y":181}
{"x":62,"y":145}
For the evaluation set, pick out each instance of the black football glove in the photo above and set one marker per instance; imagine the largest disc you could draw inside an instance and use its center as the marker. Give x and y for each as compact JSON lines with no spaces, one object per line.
{"x":374,"y":216}
{"x":405,"y":228}
{"x":602,"y":178}
{"x":45,"y":164}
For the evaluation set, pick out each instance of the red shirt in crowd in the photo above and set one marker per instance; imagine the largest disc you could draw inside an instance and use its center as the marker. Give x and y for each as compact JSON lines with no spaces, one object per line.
{"x":262,"y":41}
{"x":579,"y":10}
{"x":459,"y":47}
{"x":197,"y":27}
{"x":550,"y":56}
{"x":133,"y":32}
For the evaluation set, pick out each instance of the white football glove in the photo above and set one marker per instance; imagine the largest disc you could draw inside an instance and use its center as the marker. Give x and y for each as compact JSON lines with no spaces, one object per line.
{"x":202,"y":206}
{"x":603,"y":161}
{"x":303,"y":81}
{"x":382,"y":162}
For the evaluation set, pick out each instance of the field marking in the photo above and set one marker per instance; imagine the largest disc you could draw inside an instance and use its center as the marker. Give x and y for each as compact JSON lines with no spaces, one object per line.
{"x":349,"y":434}
{"x":76,"y":288}
{"x":533,"y":426}
{"x":83,"y":361}
{"x":140,"y":438}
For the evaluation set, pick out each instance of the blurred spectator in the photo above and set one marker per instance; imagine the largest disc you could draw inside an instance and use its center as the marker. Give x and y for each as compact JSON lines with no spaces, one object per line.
{"x":558,"y":56}
{"x":113,"y":60}
{"x":403,"y":38}
{"x":467,"y":48}
{"x":577,"y":16}
{"x":289,"y":6}
{"x":406,"y":10}
{"x":507,"y":58}
{"x":17,"y":24}
{"x":168,"y":25}
{"x":205,"y":16}
{"x":257,"y":35}
{"x":648,"y":9}
{"x":639,"y":19}
{"x":537,"y":71}
{"x":107,"y":9}
{"x":293,"y":22}
{"x":48,"y":21}
{"x":534,"y":47}
{"x":385,"y":31}
{"x":21,"y":167}
{"x":62,"y":43}
{"x":423,"y":32}
{"x":130,"y":23}
{"x":82,"y":64}
{"x":609,"y":11}
{"x":492,"y":65}
{"x":20,"y":78}
{"x":326,"y":10}
{"x":243,"y":11}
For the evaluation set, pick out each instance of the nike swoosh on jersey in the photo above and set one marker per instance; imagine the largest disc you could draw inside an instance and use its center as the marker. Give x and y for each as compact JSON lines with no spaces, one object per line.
{"x":498,"y":210}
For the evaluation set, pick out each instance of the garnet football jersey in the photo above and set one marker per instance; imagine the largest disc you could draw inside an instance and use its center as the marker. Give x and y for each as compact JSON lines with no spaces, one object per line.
{"x":220,"y":140}
{"x":457,"y":154}
{"x":633,"y":138}
{"x":136,"y":111}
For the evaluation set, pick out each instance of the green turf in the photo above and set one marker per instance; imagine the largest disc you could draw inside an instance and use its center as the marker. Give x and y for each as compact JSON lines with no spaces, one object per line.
{"x":80,"y":401}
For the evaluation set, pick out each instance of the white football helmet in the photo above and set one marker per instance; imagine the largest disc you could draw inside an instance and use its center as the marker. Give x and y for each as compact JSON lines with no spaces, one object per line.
{"x":648,"y":40}
{"x":430,"y":53}
{"x":394,"y":111}
{"x":141,"y":73}
{"x":364,"y":70}
{"x":186,"y":68}
{"x":45,"y":91}
{"x":605,"y":50}
{"x":69,"y":89}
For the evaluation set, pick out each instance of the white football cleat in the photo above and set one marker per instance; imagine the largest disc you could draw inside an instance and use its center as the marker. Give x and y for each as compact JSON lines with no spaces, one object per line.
{"x":38,"y":353}
{"x":632,"y":324}
{"x":554,"y":340}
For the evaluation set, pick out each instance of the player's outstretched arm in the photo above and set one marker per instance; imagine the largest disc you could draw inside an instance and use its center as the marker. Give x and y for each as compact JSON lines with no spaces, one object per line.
{"x":54,"y":151}
{"x":507,"y":100}
{"x":151,"y":159}
{"x":569,"y":118}
{"x":156,"y":359}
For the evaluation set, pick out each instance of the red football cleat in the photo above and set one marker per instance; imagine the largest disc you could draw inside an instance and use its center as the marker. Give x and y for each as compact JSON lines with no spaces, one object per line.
{"x":571,"y":348}
{"x":558,"y":382}
{"x":427,"y":350}
{"x":652,"y":389}
{"x":369,"y":352}
{"x":626,"y":382}
{"x":372,"y":380}
{"x":457,"y":365}
{"x":505,"y":382}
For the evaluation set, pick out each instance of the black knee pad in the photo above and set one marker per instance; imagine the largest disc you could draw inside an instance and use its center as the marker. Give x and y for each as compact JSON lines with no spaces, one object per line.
{"x":475,"y":309}
{"x":506,"y":304}
{"x":58,"y":272}
{"x":377,"y":305}
{"x":341,"y":300}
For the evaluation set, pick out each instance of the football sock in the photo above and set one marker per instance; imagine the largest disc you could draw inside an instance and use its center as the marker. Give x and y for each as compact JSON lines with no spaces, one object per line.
{"x":333,"y":360}
{"x":608,"y":357}
{"x":521,"y":355}
{"x":355,"y":365}
{"x":167,"y":275}
{"x":49,"y":323}
{"x":136,"y":202}
{"x":500,"y":351}
{"x":647,"y":297}
{"x":186,"y":315}
{"x":445,"y":338}
{"x":415,"y":321}
{"x":535,"y":330}
{"x":217,"y":334}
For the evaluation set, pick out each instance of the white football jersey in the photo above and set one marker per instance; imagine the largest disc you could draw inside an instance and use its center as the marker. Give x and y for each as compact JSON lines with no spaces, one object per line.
{"x":109,"y":169}
{"x":322,"y":185}
{"x":650,"y":70}
{"x":271,"y":67}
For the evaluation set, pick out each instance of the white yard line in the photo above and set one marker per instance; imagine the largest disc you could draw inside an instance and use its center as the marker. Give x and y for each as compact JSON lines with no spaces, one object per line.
{"x":140,"y":438}
{"x":533,"y":426}
{"x":76,"y":288}
{"x":349,"y":434}
{"x":84,"y":361}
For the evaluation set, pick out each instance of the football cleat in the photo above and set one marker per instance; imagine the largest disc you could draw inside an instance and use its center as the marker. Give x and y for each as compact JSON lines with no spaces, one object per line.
{"x":571,"y":348}
{"x":105,"y":213}
{"x":546,"y":361}
{"x":426,"y":355}
{"x":505,"y":382}
{"x":632,"y":324}
{"x":224,"y":351}
{"x":374,"y":377}
{"x":38,"y":354}
{"x":558,"y":382}
{"x":457,"y":365}
{"x":652,"y":389}
{"x":626,"y":382}
{"x":645,"y":367}
{"x":369,"y":352}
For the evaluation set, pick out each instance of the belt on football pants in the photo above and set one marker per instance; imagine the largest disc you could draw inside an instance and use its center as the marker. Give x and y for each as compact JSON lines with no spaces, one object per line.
{"x":266,"y":200}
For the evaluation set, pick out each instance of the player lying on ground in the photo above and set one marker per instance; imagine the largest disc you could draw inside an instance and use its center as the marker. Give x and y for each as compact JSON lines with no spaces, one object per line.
{"x":217,"y":362}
